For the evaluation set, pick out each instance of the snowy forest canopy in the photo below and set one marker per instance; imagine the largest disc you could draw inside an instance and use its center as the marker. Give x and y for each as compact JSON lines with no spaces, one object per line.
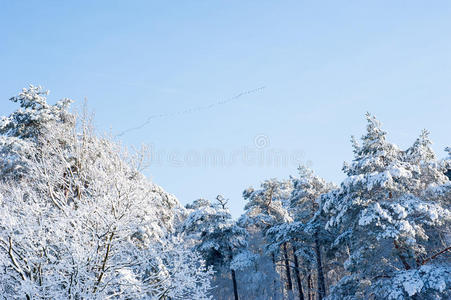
{"x":79,"y":220}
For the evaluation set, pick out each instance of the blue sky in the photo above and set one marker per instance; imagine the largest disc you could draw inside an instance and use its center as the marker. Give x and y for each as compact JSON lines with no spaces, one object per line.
{"x":323,"y":65}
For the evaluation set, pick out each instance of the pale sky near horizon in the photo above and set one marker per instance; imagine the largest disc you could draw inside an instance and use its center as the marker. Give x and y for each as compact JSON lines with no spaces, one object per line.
{"x":322,"y":64}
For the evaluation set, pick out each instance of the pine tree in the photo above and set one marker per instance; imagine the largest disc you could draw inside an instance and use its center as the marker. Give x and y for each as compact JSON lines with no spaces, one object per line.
{"x":385,"y":221}
{"x":265,"y":209}
{"x":217,"y":237}
{"x":20,"y":132}
{"x":305,"y":233}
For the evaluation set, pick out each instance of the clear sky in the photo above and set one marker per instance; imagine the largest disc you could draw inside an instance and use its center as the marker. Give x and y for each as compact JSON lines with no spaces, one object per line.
{"x":323,"y":65}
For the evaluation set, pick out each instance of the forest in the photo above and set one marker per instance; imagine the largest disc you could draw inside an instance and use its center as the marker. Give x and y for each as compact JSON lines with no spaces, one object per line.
{"x":80,"y":220}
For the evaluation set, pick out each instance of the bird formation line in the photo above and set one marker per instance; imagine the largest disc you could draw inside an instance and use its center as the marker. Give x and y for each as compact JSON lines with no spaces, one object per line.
{"x":191,"y":110}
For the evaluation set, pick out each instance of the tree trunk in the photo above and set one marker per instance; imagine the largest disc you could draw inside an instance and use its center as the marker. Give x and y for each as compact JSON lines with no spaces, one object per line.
{"x":319,"y":266}
{"x":275,"y":279}
{"x":296,"y":272}
{"x":310,"y":287}
{"x":235,"y":288}
{"x":288,"y":272}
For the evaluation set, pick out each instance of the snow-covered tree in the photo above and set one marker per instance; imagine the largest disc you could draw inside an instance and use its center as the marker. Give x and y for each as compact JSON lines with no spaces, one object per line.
{"x":217,"y":237}
{"x":424,"y":167}
{"x":387,"y":219}
{"x":78,"y":220}
{"x":305,"y":234}
{"x":306,"y":190}
{"x":20,"y":131}
{"x":266,"y":208}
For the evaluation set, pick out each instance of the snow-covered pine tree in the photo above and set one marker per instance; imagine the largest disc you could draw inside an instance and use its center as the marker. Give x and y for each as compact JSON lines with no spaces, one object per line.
{"x":386,"y":219}
{"x":20,"y":131}
{"x":218,"y":238}
{"x":307,"y":202}
{"x":305,"y":233}
{"x":266,"y":208}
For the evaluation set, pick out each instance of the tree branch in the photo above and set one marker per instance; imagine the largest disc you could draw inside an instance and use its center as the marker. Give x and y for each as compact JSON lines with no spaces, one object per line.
{"x":435,"y":255}
{"x":102,"y":272}
{"x":13,"y":259}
